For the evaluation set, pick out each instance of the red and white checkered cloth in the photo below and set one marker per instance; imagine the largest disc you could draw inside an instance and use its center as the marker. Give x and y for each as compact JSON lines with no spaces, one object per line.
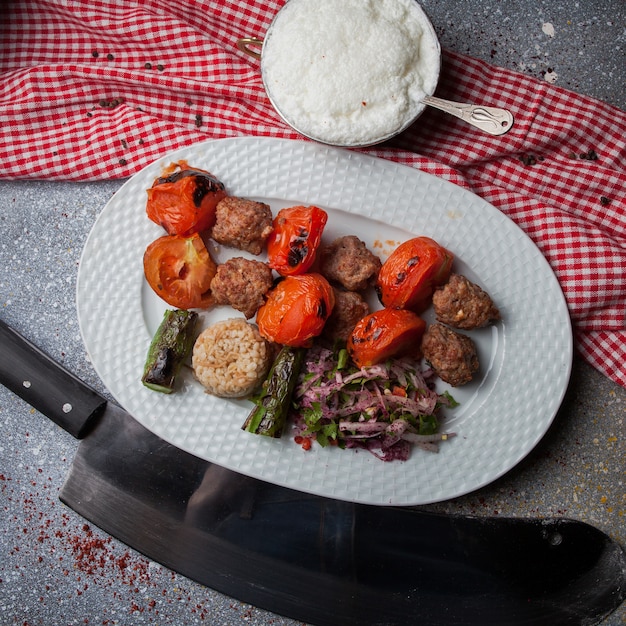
{"x":93,"y":89}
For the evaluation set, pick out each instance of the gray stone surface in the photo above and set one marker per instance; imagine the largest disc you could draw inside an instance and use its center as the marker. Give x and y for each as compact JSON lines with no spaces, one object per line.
{"x":46,"y":576}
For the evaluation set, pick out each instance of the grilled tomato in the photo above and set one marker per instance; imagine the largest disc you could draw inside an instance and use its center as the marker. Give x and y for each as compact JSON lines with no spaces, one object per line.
{"x":296,"y":310}
{"x":295,"y":238}
{"x":179,"y":270}
{"x":386,"y":334}
{"x":409,"y":276}
{"x":184,"y":199}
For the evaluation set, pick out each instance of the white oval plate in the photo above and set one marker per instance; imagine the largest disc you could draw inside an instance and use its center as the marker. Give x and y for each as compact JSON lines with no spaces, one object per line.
{"x":525,"y":359}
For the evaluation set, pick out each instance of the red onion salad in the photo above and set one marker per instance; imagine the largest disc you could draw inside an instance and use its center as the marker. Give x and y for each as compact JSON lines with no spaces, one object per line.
{"x":385,"y":409}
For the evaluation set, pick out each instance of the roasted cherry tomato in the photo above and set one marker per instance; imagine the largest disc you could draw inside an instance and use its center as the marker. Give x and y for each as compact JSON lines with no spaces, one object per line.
{"x":297,"y":233}
{"x":386,"y":334}
{"x":296,"y":310}
{"x":409,"y":276}
{"x":180,"y":270}
{"x":183,"y":200}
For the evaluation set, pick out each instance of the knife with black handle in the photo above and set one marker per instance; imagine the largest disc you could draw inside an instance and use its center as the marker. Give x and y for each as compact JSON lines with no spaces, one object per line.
{"x":314,"y":559}
{"x":46,"y":385}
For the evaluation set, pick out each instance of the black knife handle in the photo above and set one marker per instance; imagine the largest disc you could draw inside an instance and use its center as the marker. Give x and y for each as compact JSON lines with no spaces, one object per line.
{"x":46,"y":385}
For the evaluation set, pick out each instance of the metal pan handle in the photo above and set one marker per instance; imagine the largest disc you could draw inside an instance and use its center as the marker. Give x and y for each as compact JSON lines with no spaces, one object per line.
{"x":246,"y":44}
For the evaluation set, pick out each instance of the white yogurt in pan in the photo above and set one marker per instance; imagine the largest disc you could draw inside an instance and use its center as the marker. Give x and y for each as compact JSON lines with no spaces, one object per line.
{"x":350,"y":72}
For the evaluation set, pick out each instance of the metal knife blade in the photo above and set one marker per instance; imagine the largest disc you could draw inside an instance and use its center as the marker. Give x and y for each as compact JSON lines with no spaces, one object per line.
{"x":334,"y":563}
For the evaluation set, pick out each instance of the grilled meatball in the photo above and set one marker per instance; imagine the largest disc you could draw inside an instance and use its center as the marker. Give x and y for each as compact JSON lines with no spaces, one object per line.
{"x":451,"y":354}
{"x":462,"y":304}
{"x":242,"y":283}
{"x":348,"y":310}
{"x":347,"y":261}
{"x":243,"y":224}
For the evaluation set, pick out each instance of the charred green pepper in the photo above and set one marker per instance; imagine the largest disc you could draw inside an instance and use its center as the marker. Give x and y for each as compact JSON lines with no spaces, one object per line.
{"x":271,"y":408}
{"x":169,"y":348}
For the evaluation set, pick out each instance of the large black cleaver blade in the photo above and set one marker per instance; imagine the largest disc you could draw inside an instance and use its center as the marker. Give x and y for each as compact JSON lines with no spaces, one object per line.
{"x":324,"y":561}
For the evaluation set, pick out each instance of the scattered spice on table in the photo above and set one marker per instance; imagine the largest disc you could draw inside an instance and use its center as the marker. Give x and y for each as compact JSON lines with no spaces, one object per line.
{"x":590,"y":155}
{"x":111,"y":103}
{"x":530,"y":159}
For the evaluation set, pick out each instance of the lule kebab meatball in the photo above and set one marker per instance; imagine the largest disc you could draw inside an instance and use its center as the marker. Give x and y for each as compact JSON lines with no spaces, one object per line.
{"x":462,"y":304}
{"x":242,"y":284}
{"x":348,"y":262}
{"x":452,"y":355}
{"x":242,"y":223}
{"x":349,"y":308}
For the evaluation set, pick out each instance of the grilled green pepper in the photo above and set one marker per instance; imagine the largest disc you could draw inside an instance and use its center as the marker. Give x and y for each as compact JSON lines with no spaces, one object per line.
{"x":271,"y":408}
{"x":169,"y":348}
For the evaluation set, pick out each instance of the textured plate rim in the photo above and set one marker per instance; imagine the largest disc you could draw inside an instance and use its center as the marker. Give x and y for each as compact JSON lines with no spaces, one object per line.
{"x":270,"y":468}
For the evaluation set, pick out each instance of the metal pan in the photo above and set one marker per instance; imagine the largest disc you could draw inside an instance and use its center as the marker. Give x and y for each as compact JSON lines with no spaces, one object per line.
{"x":492,"y":120}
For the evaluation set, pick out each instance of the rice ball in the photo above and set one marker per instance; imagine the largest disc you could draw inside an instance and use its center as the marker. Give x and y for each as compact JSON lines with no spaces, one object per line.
{"x":231,"y":359}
